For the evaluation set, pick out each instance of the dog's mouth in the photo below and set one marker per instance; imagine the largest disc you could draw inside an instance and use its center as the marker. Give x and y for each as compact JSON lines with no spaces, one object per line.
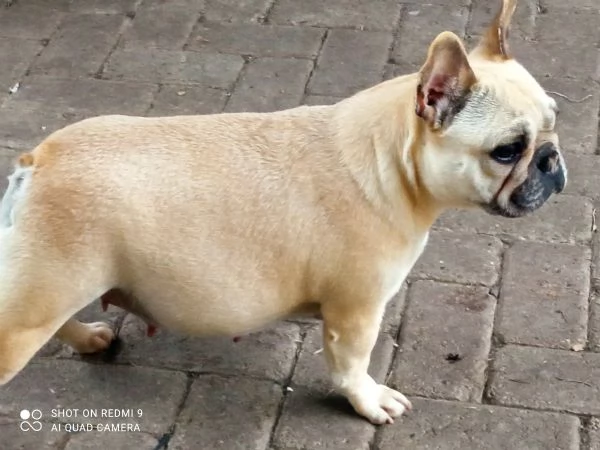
{"x":527,"y":198}
{"x":512,"y":212}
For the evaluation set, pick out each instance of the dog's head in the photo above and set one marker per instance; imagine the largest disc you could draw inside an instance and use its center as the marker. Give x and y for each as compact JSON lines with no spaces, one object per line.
{"x":490,"y":126}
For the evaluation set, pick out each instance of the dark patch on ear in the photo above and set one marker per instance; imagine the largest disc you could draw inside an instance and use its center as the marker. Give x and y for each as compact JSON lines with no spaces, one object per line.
{"x":455,"y":107}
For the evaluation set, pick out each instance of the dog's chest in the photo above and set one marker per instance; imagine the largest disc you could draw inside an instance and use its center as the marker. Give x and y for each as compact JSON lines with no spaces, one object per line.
{"x":396,"y":273}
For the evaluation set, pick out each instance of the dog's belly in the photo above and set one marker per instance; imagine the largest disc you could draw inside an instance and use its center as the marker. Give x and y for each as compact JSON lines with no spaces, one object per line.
{"x":208,"y":290}
{"x":201,"y":315}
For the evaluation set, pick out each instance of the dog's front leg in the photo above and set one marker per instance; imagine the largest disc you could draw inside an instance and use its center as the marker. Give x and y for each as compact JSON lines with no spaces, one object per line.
{"x":350,"y":333}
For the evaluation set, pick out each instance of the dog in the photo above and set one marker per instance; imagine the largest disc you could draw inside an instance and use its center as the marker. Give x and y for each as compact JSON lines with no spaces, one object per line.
{"x":220,"y":224}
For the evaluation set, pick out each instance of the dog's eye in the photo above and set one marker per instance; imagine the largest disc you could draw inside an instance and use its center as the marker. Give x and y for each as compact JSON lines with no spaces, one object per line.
{"x":509,"y":153}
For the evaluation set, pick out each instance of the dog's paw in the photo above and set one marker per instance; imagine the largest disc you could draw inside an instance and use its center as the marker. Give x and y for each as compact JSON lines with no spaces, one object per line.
{"x":95,"y":337}
{"x":380,"y":404}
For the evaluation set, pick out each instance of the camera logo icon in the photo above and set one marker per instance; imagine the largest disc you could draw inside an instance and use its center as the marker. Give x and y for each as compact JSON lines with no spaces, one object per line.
{"x":30,"y":420}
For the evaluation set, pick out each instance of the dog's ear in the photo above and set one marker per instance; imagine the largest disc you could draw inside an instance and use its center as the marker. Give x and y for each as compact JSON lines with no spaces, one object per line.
{"x":494,"y":43}
{"x":445,"y":80}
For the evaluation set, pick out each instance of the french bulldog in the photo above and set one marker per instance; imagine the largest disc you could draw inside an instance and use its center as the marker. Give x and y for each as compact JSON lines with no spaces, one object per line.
{"x":221,"y":224}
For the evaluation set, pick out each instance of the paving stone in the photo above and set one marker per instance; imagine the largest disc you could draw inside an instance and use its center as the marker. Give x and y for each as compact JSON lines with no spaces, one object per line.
{"x":440,"y":3}
{"x":182,"y":99}
{"x":17,"y":55}
{"x":594,"y":434}
{"x":25,"y":440}
{"x":579,"y":4}
{"x":444,"y":425}
{"x":594,"y":320}
{"x":583,"y":170}
{"x":350,"y":61}
{"x":444,"y":321}
{"x":162,"y":66}
{"x":577,"y":123}
{"x":102,"y":6}
{"x":160,"y":25}
{"x":313,"y":420}
{"x":228,"y":413}
{"x":43,"y":105}
{"x":237,"y":10}
{"x":257,"y":40}
{"x":393,"y":312}
{"x":535,"y":42}
{"x":80,"y":46}
{"x":459,"y":258}
{"x":522,"y":25}
{"x":574,"y":60}
{"x":96,"y":440}
{"x":549,"y":379}
{"x":419,"y":26}
{"x":581,"y":23}
{"x":380,"y":15}
{"x":542,"y":61}
{"x":393,"y":70}
{"x":321,"y":100}
{"x":24,"y":20}
{"x":266,"y":354}
{"x":270,"y":84}
{"x":56,"y":5}
{"x":563,"y":219}
{"x":51,"y":384}
{"x":544,"y":295}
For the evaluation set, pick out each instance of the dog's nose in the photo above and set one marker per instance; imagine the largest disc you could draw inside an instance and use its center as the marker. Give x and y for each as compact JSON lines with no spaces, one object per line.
{"x":547,"y":161}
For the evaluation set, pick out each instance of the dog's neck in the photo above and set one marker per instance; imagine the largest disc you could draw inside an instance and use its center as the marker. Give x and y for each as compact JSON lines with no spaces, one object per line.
{"x":381,"y":144}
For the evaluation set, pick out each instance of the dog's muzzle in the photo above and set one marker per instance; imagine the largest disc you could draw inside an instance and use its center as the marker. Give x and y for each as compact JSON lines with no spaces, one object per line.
{"x":546,"y":175}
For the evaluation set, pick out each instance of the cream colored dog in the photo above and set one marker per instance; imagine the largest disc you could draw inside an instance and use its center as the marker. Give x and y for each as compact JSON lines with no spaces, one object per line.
{"x":220,"y":224}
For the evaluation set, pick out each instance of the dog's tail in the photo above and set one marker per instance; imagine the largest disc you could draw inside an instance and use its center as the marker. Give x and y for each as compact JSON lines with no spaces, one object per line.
{"x":17,"y":183}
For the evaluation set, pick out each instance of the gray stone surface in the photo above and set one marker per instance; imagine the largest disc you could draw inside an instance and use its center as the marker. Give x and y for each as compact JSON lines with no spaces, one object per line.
{"x":445,"y":342}
{"x":380,"y":15}
{"x":80,"y":46}
{"x":43,"y":105}
{"x":158,"y":66}
{"x":185,"y":99}
{"x":257,"y":40}
{"x":549,"y":305}
{"x":460,"y":258}
{"x":270,"y":84}
{"x":160,"y":24}
{"x":420,"y":25}
{"x":60,"y":385}
{"x":217,"y":405}
{"x":97,"y":440}
{"x":350,"y":61}
{"x":24,"y":20}
{"x":266,"y":354}
{"x":582,"y":175}
{"x":577,"y":125}
{"x":25,"y":440}
{"x":443,"y":425}
{"x":564,"y":219}
{"x":15,"y":64}
{"x":542,"y":378}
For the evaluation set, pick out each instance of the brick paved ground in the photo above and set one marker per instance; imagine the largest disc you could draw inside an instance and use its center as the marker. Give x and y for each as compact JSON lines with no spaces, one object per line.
{"x":510,"y":298}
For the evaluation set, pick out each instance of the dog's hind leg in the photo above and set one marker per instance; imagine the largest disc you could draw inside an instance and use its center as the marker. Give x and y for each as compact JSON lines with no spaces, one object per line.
{"x":86,"y":337}
{"x":40,"y":290}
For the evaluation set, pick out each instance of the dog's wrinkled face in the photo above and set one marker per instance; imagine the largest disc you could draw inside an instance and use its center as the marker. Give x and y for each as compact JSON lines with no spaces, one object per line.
{"x":492,"y":124}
